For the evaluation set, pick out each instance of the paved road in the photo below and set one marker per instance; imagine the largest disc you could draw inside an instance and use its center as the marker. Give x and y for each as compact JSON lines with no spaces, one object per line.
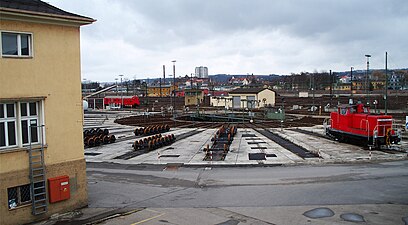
{"x":379,"y":189}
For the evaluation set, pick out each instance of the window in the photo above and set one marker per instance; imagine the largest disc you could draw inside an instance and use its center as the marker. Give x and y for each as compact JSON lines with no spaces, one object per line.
{"x":8,"y":125}
{"x":16,"y":44}
{"x":18,"y":196}
{"x":251,"y":103}
{"x":20,"y":124}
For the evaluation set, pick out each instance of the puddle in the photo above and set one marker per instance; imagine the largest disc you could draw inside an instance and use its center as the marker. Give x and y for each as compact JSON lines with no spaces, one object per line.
{"x":351,"y":217}
{"x":319,"y":213}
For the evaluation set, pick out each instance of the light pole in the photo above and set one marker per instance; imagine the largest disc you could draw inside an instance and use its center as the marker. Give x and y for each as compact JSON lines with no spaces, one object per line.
{"x":116,"y":84}
{"x":386,"y":82}
{"x":351,"y":81}
{"x":368,"y":79}
{"x":174,"y":85}
{"x":121,"y":91}
{"x":84,"y":91}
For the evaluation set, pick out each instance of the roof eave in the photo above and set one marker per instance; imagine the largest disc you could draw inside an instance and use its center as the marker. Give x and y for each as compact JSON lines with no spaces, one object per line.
{"x":16,"y":14}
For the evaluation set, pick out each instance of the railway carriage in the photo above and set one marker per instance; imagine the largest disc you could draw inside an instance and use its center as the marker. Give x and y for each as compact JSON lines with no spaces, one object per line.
{"x":355,"y":124}
{"x":128,"y":101}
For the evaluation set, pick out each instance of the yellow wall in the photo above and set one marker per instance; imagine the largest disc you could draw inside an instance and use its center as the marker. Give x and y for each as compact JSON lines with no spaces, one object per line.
{"x":191,"y":97}
{"x":155,"y":91}
{"x":54,"y":72}
{"x":268,"y":95}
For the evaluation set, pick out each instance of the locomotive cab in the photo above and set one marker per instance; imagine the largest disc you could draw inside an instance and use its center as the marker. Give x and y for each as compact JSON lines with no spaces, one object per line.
{"x":355,"y":124}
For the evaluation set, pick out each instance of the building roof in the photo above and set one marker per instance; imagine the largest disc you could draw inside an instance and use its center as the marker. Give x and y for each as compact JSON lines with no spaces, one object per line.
{"x":37,"y":7}
{"x":247,"y":90}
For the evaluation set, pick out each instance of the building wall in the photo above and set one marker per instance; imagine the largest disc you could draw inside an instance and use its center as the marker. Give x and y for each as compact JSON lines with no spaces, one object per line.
{"x":191,"y":98}
{"x":54,"y":73}
{"x":269,"y":95}
{"x":155,"y":91}
{"x":201,"y":72}
{"x":221,"y":102}
{"x":266,"y":94}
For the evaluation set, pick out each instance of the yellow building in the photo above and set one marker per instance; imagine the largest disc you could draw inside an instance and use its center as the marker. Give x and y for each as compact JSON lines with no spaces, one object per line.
{"x":42,"y":165}
{"x":165,"y":90}
{"x":193,"y":96}
{"x":252,"y":97}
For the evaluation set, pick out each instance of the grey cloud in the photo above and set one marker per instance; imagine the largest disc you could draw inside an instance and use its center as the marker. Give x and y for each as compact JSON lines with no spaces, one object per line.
{"x":293,"y":35}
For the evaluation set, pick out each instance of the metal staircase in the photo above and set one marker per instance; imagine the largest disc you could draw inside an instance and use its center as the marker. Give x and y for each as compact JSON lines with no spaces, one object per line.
{"x":37,"y":174}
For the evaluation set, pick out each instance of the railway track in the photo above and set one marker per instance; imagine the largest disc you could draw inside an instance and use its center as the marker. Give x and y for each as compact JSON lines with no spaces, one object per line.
{"x":288,"y":145}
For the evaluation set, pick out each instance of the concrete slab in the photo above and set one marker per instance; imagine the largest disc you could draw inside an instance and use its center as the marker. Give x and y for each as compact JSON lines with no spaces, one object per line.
{"x":189,"y":151}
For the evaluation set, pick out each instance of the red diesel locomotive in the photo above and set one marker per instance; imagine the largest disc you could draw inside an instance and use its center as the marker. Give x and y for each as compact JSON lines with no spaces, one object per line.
{"x":128,"y":101}
{"x":355,"y":124}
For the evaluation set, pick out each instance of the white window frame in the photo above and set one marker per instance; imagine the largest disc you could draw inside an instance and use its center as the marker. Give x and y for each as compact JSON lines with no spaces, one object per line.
{"x":6,"y":120}
{"x":18,"y":123}
{"x":19,"y":55}
{"x":29,"y":118}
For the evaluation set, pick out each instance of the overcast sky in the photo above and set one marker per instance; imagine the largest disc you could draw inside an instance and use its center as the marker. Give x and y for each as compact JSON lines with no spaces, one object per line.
{"x":137,"y":37}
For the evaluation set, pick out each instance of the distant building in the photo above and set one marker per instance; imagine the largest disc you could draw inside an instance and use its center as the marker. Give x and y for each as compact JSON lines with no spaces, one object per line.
{"x":163,"y":91}
{"x":193,"y":96}
{"x":201,"y":72}
{"x":42,"y":164}
{"x":252,"y":97}
{"x":239,"y":81}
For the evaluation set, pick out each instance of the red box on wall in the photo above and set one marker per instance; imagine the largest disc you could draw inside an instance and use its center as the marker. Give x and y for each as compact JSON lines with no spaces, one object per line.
{"x":58,"y":188}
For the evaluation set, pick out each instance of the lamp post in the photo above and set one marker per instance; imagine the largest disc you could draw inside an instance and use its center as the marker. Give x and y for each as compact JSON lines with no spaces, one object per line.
{"x":121,"y":92}
{"x":84,"y":91}
{"x":174,"y":85}
{"x":386,"y":83}
{"x":351,"y":81}
{"x":368,"y":79}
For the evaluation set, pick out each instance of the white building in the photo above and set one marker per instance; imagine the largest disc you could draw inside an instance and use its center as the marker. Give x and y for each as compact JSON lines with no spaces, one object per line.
{"x":201,"y":72}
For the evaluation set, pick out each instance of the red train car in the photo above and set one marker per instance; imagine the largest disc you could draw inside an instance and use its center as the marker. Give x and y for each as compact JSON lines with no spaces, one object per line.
{"x":355,"y":124}
{"x":128,"y":101}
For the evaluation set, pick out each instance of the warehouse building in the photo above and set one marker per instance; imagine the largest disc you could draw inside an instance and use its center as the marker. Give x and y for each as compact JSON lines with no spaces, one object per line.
{"x":42,"y":166}
{"x":251,"y":98}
